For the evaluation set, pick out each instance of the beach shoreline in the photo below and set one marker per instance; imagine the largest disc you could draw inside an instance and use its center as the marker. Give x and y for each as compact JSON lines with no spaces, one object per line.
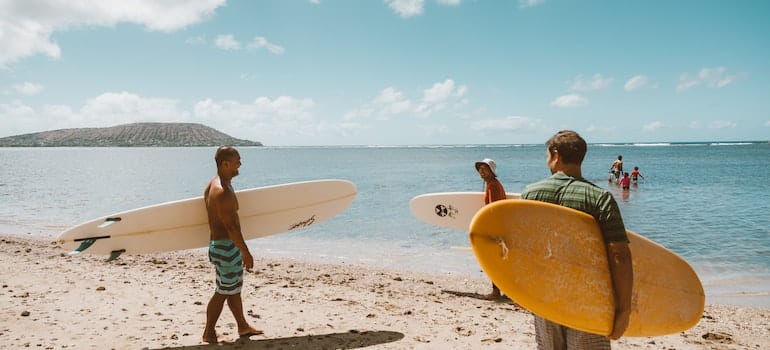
{"x":157,"y":301}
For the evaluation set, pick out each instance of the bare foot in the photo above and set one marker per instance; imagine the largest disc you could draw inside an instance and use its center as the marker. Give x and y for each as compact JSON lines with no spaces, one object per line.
{"x":213,"y":339}
{"x":249,"y":332}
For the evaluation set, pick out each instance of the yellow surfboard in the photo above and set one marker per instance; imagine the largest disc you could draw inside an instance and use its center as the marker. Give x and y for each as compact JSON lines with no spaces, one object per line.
{"x":552,"y":261}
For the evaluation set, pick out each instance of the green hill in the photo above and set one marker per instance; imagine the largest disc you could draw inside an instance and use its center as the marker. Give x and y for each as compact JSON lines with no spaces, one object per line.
{"x":129,"y":135}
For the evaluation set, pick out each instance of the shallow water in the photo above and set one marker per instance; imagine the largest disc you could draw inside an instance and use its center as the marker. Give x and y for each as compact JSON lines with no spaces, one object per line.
{"x":706,"y":202}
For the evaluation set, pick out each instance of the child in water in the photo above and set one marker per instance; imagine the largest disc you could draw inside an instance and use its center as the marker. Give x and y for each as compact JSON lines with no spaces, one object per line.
{"x":625,"y":182}
{"x":636,"y":174}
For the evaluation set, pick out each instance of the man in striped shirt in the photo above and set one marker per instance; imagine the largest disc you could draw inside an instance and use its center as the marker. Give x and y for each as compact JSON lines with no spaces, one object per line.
{"x":567,"y":187}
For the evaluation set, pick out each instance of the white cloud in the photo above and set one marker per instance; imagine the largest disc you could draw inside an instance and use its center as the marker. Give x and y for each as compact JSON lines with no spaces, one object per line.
{"x":26,"y":27}
{"x":686,"y":83}
{"x":16,"y":110}
{"x":260,"y":43}
{"x":436,"y":98}
{"x":392,"y":101}
{"x":389,"y":102}
{"x":227,"y":42}
{"x":263,"y":118}
{"x":767,"y":123}
{"x":695,"y":125}
{"x":18,"y":118}
{"x":597,"y":82}
{"x":721,"y":124}
{"x":510,"y":123}
{"x":28,"y":88}
{"x":653,"y":126}
{"x":714,"y":78}
{"x":530,"y":3}
{"x":107,"y":109}
{"x":411,"y":8}
{"x":406,"y":8}
{"x":636,"y":82}
{"x":123,"y":107}
{"x":441,"y":92}
{"x":261,"y":110}
{"x":569,"y":101}
{"x":315,"y":2}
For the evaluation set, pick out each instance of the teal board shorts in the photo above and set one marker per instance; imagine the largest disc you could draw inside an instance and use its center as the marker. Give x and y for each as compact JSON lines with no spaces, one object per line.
{"x":229,"y":266}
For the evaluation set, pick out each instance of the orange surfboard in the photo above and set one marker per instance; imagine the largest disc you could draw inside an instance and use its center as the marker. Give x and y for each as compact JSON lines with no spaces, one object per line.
{"x":552,"y":261}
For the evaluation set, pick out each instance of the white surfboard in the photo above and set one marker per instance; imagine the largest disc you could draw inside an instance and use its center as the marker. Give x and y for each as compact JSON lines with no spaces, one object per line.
{"x":450,"y":209}
{"x":183,"y":224}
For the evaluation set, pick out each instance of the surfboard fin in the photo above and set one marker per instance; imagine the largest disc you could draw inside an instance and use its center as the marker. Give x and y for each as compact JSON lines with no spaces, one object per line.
{"x":115,"y":254}
{"x":110,"y":221}
{"x":83,"y":246}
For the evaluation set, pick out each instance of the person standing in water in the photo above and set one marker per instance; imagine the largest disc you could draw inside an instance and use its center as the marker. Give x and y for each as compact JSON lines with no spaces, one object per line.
{"x":635,"y":175}
{"x":625,"y":182}
{"x":616,"y":169}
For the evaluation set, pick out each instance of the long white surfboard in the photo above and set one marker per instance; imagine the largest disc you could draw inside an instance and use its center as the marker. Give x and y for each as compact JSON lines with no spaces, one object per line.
{"x":450,"y":209}
{"x":183,"y":224}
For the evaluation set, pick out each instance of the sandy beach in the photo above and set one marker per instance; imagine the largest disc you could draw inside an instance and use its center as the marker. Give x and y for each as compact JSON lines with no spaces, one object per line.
{"x":54,"y":301}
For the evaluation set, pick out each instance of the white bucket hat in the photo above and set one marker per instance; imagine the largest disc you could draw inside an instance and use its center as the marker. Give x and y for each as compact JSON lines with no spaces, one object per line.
{"x":490,"y":163}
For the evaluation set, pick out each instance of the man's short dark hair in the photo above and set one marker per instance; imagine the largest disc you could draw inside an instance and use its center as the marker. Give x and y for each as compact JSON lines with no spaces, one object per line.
{"x":225,"y":153}
{"x":570,"y":146}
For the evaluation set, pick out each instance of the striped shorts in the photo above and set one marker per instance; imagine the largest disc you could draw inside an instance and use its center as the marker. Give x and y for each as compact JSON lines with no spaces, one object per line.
{"x":552,"y":336}
{"x":227,"y":258}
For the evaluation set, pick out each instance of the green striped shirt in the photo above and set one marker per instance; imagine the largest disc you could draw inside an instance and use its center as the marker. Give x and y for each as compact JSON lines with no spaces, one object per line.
{"x":578,"y":193}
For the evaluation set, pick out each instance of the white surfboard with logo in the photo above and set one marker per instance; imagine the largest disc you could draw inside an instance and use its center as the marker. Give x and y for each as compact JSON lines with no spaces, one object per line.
{"x":183,"y":224}
{"x":450,"y":209}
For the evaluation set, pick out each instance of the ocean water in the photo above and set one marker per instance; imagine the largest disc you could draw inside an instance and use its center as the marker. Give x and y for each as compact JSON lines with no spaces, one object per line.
{"x":708,"y":202}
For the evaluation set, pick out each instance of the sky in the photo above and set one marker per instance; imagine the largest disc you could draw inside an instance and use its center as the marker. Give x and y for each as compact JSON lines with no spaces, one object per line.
{"x":392,"y":72}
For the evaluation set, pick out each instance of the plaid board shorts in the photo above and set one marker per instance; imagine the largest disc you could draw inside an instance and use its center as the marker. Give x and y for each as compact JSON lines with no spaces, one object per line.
{"x":552,"y":336}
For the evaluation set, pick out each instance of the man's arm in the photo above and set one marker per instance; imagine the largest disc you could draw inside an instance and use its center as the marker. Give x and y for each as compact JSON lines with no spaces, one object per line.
{"x":622,"y":275}
{"x":228,"y":214}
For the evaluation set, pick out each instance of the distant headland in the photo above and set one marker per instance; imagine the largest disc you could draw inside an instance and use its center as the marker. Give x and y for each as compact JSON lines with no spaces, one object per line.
{"x":129,"y":135}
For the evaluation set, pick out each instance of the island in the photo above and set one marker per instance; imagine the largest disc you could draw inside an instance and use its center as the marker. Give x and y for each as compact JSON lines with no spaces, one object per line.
{"x":129,"y":135}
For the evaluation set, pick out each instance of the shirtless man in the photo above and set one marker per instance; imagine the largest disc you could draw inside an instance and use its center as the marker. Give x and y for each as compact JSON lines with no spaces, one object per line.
{"x":616,"y":169}
{"x":227,"y":249}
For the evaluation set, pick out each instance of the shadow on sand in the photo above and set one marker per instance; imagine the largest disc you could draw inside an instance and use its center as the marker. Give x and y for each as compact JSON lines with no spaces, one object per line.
{"x":502,"y":299}
{"x":348,"y":340}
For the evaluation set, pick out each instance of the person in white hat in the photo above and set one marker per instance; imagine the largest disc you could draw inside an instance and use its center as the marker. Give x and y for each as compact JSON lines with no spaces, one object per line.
{"x":493,"y":191}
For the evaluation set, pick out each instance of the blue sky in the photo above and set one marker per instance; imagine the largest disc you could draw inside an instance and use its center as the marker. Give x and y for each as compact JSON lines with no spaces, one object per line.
{"x":392,"y":72}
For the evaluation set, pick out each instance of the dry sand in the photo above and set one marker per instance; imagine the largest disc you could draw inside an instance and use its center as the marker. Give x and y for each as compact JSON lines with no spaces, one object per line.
{"x":54,"y":301}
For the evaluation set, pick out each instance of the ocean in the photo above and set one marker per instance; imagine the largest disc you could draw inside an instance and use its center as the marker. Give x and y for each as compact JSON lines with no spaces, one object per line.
{"x":708,"y":202}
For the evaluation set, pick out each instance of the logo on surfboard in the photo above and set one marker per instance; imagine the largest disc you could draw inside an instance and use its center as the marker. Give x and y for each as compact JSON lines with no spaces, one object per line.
{"x":304,"y":223}
{"x":444,"y":211}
